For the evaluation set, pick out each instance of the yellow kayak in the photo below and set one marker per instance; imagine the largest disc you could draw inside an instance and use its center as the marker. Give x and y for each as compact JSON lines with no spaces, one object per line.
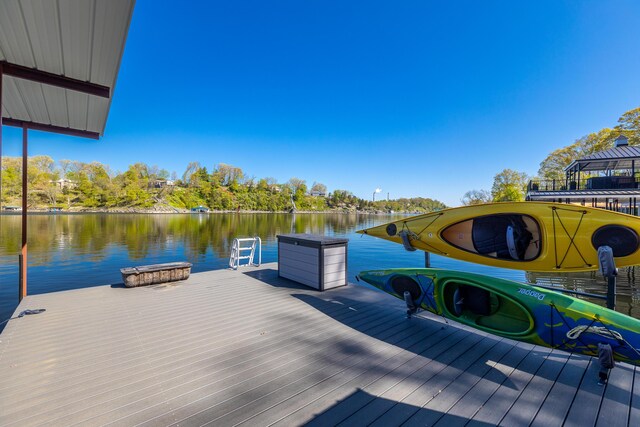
{"x":533,"y":236}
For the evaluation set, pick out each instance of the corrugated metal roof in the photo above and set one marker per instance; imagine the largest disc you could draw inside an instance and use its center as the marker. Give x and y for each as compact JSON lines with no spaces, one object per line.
{"x":613,"y":158}
{"x":79,"y":39}
{"x":622,"y":152}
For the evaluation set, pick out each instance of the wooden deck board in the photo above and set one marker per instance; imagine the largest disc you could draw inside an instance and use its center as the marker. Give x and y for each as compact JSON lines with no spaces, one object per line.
{"x":355,"y":374}
{"x":385,"y":402}
{"x":584,"y":411}
{"x":501,"y":401}
{"x":634,"y":415}
{"x":353,"y":366}
{"x":439,"y":404}
{"x":343,"y":355}
{"x":616,"y":403}
{"x":558,"y":400}
{"x":246,"y":347}
{"x":408,"y":406}
{"x":307,"y":407}
{"x":185,"y":363}
{"x":194,"y":383}
{"x":526,"y":407}
{"x":354,"y":400}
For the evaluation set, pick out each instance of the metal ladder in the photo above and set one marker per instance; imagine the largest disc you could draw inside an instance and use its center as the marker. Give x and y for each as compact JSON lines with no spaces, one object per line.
{"x":239,"y":248}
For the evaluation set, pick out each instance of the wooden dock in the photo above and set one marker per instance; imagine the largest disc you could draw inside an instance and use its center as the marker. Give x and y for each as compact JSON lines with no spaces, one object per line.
{"x":247,"y":348}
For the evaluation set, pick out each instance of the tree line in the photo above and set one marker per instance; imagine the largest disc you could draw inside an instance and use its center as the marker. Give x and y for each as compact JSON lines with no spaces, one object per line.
{"x":71,"y":184}
{"x":510,"y":185}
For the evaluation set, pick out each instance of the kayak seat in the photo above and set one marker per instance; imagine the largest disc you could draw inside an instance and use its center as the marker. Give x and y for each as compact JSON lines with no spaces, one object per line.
{"x":506,"y":236}
{"x":477,"y":306}
{"x":518,"y":240}
{"x":488,"y":235}
{"x":472,"y":299}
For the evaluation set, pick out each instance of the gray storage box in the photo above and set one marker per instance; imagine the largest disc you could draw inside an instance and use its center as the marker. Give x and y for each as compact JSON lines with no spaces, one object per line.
{"x":316,"y":261}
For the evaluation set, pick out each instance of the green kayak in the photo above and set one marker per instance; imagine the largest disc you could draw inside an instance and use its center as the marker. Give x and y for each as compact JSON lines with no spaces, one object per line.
{"x":513,"y":310}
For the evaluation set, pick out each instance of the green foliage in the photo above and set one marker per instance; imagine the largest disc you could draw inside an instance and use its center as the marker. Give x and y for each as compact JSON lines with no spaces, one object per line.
{"x":11,"y":178}
{"x":184,"y":198}
{"x":319,"y":187}
{"x":93,"y":186}
{"x":135,"y":183}
{"x":415,"y":205}
{"x":228,"y":175}
{"x":221,"y":200}
{"x":509,"y":186}
{"x":476,"y":197}
{"x":552,"y":167}
{"x":629,"y":125}
{"x":341,"y":199}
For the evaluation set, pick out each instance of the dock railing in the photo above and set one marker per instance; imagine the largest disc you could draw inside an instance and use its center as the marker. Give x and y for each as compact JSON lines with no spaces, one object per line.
{"x":592,"y":183}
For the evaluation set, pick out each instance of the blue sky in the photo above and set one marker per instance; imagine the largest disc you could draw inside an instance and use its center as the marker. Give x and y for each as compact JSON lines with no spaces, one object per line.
{"x":418,"y":98}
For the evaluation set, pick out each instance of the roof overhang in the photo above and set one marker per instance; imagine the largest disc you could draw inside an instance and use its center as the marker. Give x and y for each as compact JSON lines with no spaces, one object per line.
{"x":60,"y":61}
{"x":603,"y":165}
{"x":622,"y":157}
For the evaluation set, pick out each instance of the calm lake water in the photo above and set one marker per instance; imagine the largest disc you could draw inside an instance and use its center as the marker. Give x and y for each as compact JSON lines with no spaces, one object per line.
{"x":70,"y":251}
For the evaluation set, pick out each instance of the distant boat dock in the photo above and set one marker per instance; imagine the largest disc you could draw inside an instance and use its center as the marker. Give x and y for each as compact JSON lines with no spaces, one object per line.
{"x":200,"y":209}
{"x":247,"y":347}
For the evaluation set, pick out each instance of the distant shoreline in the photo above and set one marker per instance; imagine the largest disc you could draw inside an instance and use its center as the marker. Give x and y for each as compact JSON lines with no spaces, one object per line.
{"x":185,"y":211}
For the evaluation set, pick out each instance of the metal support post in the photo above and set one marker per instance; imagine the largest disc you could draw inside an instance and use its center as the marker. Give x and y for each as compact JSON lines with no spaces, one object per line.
{"x":1,"y":79}
{"x":20,"y":279}
{"x":427,"y":260}
{"x":23,"y":252}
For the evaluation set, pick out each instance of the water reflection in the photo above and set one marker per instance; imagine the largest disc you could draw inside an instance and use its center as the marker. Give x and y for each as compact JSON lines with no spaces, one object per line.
{"x":143,"y":235}
{"x":628,"y":297}
{"x":69,"y":251}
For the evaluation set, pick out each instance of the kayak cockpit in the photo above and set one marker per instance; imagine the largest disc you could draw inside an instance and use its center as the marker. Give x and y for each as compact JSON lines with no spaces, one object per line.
{"x":503,"y":236}
{"x":491,"y":311}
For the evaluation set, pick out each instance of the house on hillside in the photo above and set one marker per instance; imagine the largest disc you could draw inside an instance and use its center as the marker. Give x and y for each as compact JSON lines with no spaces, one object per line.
{"x":276,"y":188}
{"x":64,"y":183}
{"x":161,"y":183}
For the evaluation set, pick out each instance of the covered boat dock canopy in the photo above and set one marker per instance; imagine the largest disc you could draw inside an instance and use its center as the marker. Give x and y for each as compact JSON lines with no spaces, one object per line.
{"x":603,"y":179}
{"x":622,"y":157}
{"x":59,"y":62}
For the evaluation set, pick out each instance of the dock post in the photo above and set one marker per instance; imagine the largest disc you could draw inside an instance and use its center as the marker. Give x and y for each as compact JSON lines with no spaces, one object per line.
{"x":1,"y":78}
{"x":607,"y":266}
{"x":427,"y":260}
{"x":608,"y":269}
{"x":20,"y":278}
{"x":611,"y":292}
